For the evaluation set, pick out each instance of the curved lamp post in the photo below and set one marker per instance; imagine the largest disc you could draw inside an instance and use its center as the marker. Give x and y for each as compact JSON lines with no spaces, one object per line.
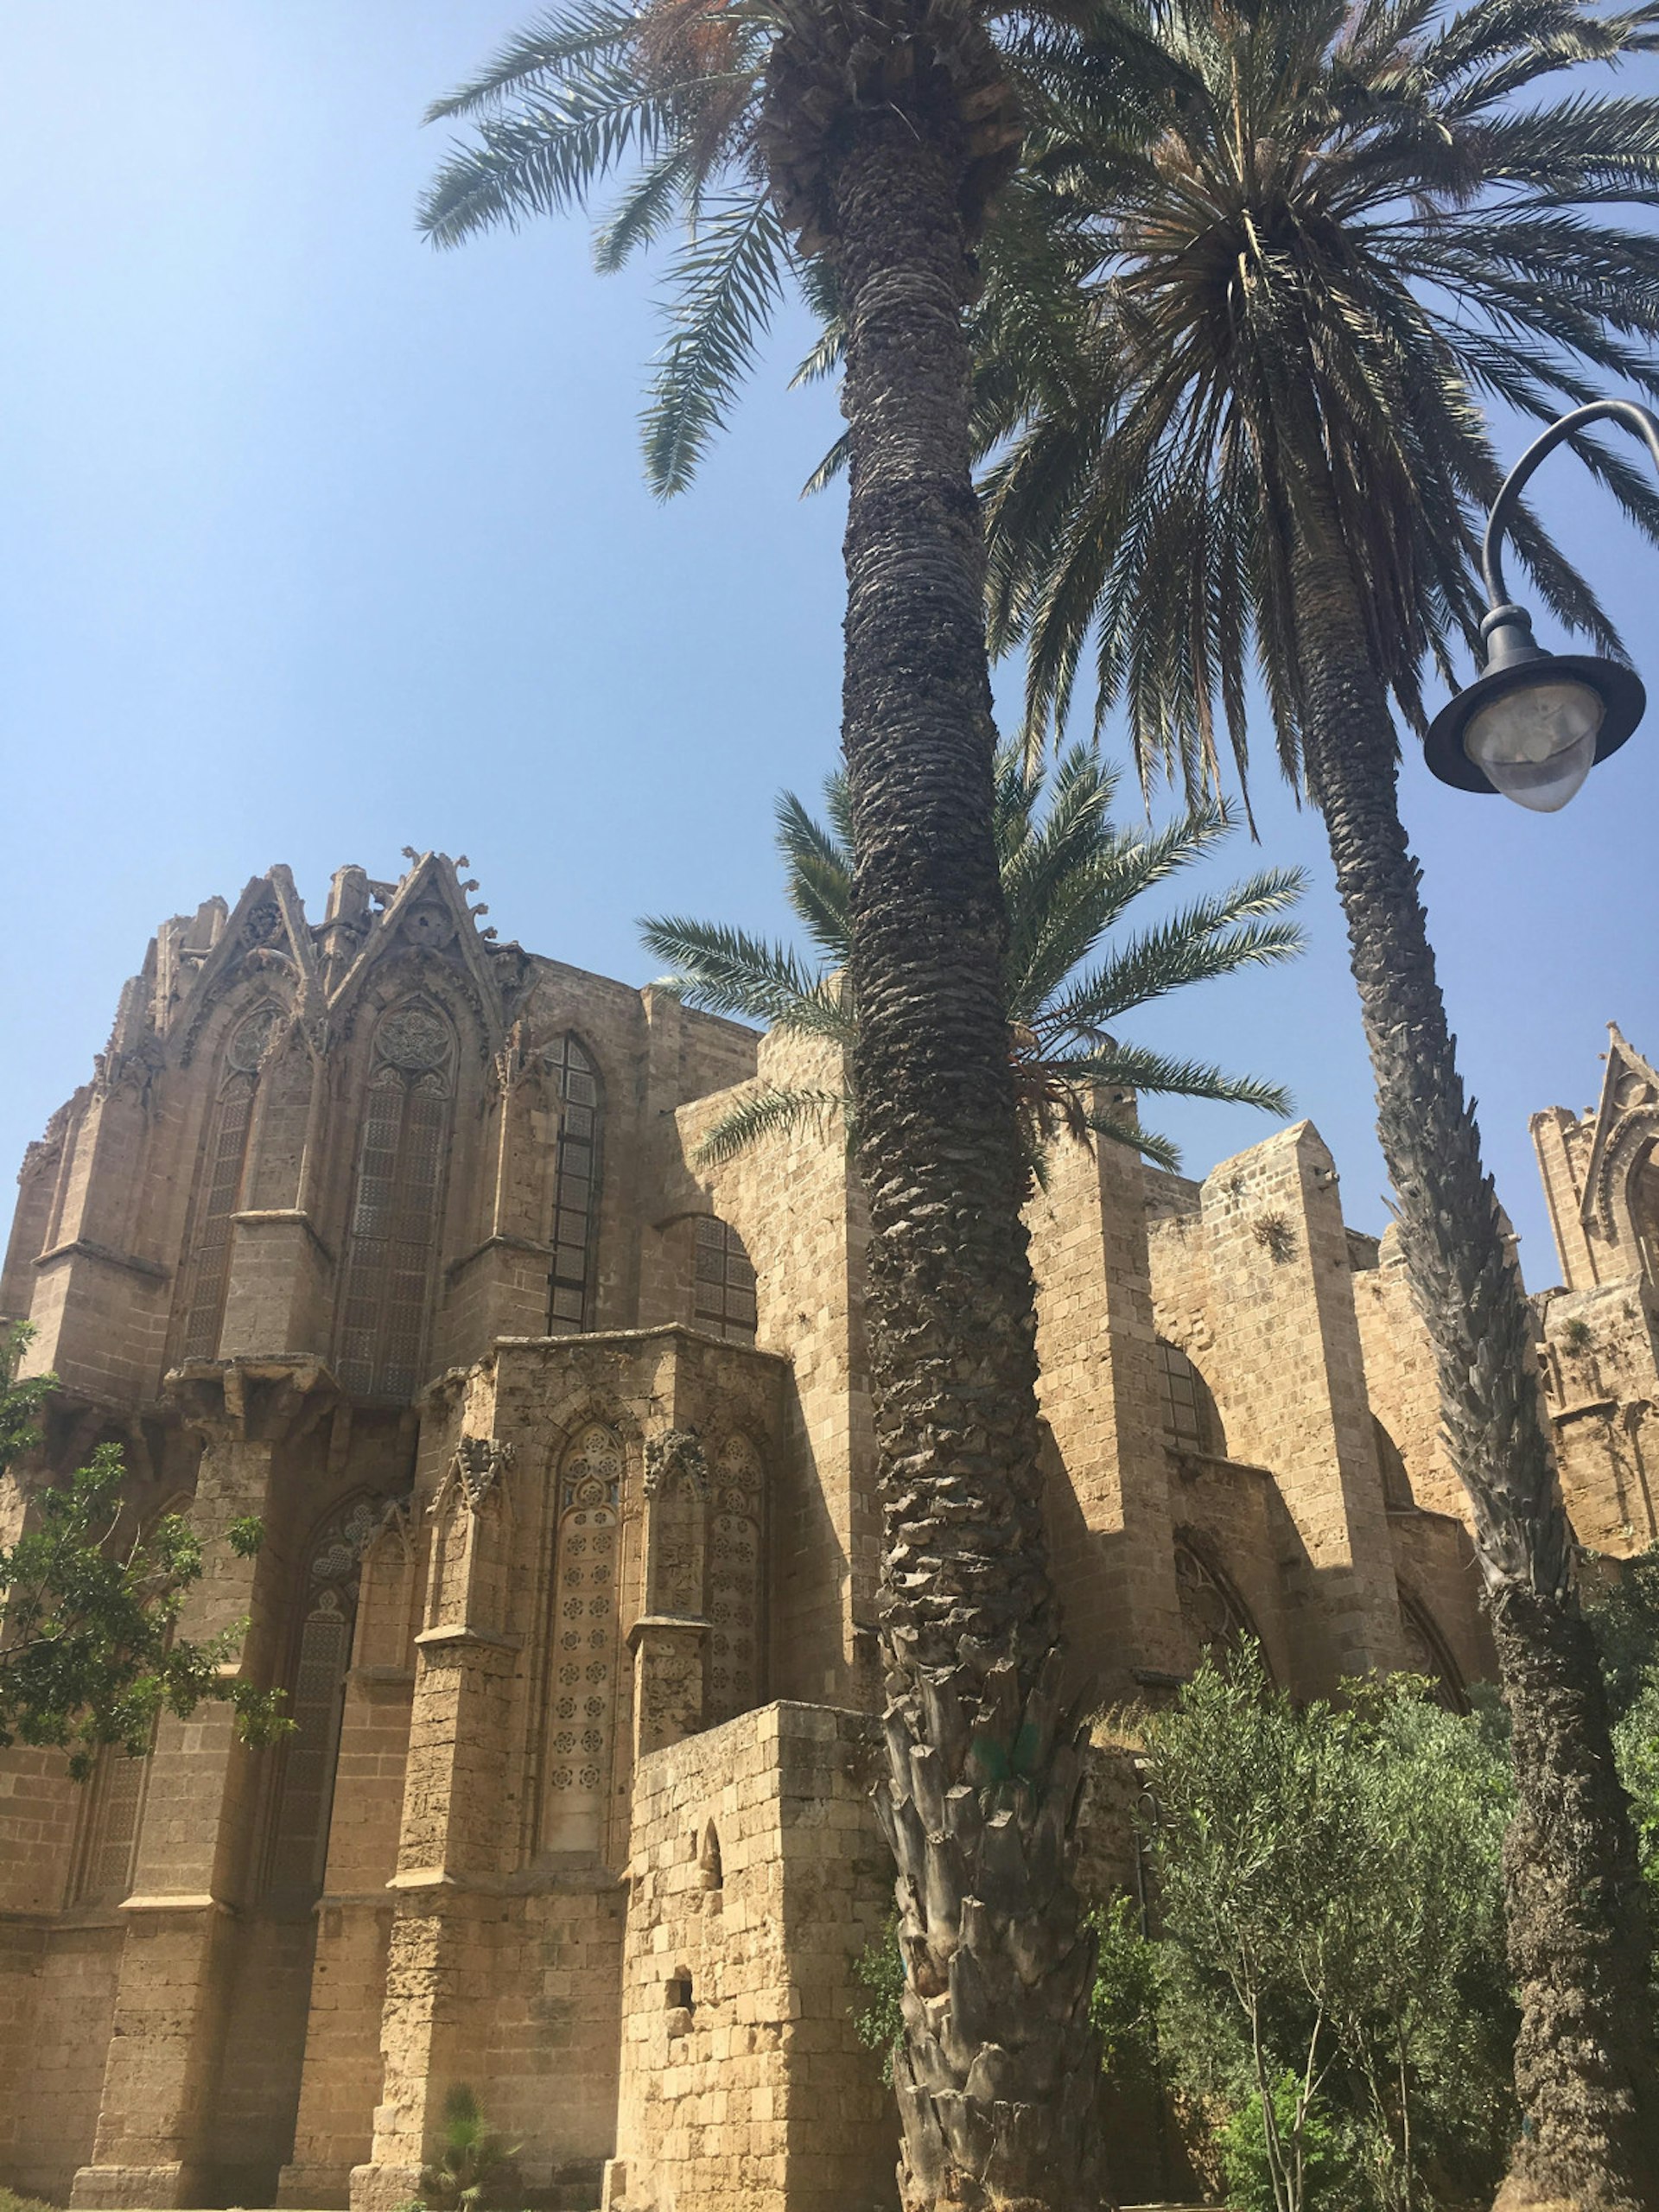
{"x":1534,"y":723}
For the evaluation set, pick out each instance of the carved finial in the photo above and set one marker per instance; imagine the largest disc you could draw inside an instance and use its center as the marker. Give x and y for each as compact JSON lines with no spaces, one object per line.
{"x":479,"y":909}
{"x":491,"y":933}
{"x":410,"y":853}
{"x":462,"y":861}
{"x":676,"y":1453}
{"x":471,"y":884}
{"x":481,"y":1462}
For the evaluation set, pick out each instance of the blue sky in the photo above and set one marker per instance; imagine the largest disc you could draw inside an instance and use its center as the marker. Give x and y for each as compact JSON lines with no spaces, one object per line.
{"x":314,"y":543}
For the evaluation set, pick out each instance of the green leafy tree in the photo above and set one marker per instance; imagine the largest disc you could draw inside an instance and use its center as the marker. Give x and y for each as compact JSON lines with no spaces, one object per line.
{"x":1236,"y":348}
{"x":857,"y":143}
{"x":1329,"y":1907}
{"x":1070,"y":876}
{"x":89,"y":1652}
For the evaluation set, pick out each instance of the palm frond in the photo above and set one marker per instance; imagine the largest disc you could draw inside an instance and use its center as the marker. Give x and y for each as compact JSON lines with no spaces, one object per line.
{"x":770,"y":1111}
{"x":728,"y":283}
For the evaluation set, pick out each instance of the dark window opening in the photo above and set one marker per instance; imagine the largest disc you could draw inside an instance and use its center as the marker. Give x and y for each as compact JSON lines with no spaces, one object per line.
{"x":724,"y":1299}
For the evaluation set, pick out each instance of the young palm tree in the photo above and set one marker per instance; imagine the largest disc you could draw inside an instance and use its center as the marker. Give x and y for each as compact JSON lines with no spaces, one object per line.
{"x":1069,"y":877}
{"x":1247,"y":420}
{"x":859,"y":141}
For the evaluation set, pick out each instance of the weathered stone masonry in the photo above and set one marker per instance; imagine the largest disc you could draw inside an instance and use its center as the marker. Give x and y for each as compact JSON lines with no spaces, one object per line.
{"x":392,"y":1234}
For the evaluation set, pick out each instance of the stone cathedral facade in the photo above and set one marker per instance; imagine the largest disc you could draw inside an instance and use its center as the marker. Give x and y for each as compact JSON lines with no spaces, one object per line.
{"x":390,"y":1234}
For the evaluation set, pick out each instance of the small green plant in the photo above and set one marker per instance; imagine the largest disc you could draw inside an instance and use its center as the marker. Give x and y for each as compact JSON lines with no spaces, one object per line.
{"x":471,"y":2160}
{"x":10,"y":2201}
{"x":880,"y":2023}
{"x":1577,"y":1335}
{"x":1123,"y":2005}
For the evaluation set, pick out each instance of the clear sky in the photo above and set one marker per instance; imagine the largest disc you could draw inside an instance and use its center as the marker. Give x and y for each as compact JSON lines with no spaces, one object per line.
{"x":314,"y":543}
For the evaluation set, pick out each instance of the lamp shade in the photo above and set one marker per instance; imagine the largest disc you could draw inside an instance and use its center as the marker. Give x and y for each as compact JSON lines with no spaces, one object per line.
{"x":1535,"y":723}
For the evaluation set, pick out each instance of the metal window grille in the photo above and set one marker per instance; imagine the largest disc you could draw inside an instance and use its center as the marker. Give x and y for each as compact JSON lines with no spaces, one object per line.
{"x":724,"y":1279}
{"x":116,"y":1795}
{"x":1190,"y":1415}
{"x":576,"y":1194}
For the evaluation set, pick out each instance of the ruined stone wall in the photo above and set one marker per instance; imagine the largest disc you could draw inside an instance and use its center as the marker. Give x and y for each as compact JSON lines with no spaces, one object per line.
{"x":756,"y":1875}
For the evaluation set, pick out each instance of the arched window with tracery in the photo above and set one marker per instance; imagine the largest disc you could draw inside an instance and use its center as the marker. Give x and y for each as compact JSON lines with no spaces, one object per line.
{"x":575,"y":1217}
{"x":1426,"y":1654}
{"x":1215,"y":1616}
{"x":219,"y":1186}
{"x":1191,"y":1419}
{"x":582,"y":1712}
{"x":736,"y":1627}
{"x":316,"y":1693}
{"x":391,"y":1247}
{"x":723,"y":1295}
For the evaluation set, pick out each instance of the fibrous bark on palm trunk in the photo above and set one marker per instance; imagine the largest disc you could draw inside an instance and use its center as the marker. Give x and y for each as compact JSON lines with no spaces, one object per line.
{"x":996,"y":2079}
{"x":1579,"y":1943}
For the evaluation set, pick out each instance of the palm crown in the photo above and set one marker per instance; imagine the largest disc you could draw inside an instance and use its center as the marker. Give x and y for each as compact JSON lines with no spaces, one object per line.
{"x":709,"y":110}
{"x":1335,"y":235}
{"x":1068,"y":876}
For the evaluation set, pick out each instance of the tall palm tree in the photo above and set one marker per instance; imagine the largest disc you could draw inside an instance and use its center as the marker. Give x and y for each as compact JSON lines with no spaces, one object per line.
{"x":858,"y":143}
{"x":1233,"y":372}
{"x":1069,"y":877}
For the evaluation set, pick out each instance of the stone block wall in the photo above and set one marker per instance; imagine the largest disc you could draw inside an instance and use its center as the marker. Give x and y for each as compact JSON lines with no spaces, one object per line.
{"x":756,"y":1875}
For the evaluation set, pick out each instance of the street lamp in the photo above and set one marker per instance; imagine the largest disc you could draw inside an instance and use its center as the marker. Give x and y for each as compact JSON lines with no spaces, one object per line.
{"x":1533,"y":724}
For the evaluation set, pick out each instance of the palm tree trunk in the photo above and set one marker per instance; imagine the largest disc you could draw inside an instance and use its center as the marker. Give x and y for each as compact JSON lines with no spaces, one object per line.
{"x":1579,"y":1943}
{"x":997,"y":2078}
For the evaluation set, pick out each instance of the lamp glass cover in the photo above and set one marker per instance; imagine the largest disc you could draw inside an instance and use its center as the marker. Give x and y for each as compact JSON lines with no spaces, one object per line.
{"x":1536,"y":742}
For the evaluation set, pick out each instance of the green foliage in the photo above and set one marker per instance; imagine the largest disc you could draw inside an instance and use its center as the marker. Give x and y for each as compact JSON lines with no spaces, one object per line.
{"x":1328,"y":2176}
{"x":1070,"y":876}
{"x":89,"y":1652}
{"x":10,"y":2201}
{"x":879,"y":2023}
{"x":1623,"y":1618}
{"x":1330,"y":1899}
{"x":674,"y":99}
{"x":472,"y":2158}
{"x":1291,"y":273}
{"x":1123,"y":2005}
{"x":1636,"y":1743}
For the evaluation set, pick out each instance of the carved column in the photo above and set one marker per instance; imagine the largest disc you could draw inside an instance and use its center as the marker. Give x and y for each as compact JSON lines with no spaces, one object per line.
{"x":453,"y":1807}
{"x":341,"y":2083}
{"x":194,"y":1870}
{"x":669,"y":1641}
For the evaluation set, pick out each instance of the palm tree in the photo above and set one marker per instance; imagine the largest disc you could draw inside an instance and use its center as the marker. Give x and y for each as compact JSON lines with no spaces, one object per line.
{"x":858,"y":143}
{"x":1234,"y":364}
{"x":1069,"y":877}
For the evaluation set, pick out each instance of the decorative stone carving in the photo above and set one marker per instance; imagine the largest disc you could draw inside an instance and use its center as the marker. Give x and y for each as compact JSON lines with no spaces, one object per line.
{"x":250,"y":1039}
{"x":675,"y":1456}
{"x":479,"y":1464}
{"x":413,"y":1038}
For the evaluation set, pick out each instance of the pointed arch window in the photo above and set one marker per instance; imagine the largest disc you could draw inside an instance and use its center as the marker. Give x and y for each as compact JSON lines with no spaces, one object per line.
{"x":316,"y":1695}
{"x":576,"y":1194}
{"x":1215,"y":1616}
{"x":582,"y":1716}
{"x":1191,"y":1419}
{"x":723,"y":1277}
{"x":218,"y":1185}
{"x":391,"y":1249}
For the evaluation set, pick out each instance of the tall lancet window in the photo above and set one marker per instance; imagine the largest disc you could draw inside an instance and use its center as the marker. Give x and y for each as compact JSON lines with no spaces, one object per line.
{"x":391,"y":1249}
{"x":316,"y":1690}
{"x":219,"y":1186}
{"x":576,"y":1214}
{"x":583,"y":1717}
